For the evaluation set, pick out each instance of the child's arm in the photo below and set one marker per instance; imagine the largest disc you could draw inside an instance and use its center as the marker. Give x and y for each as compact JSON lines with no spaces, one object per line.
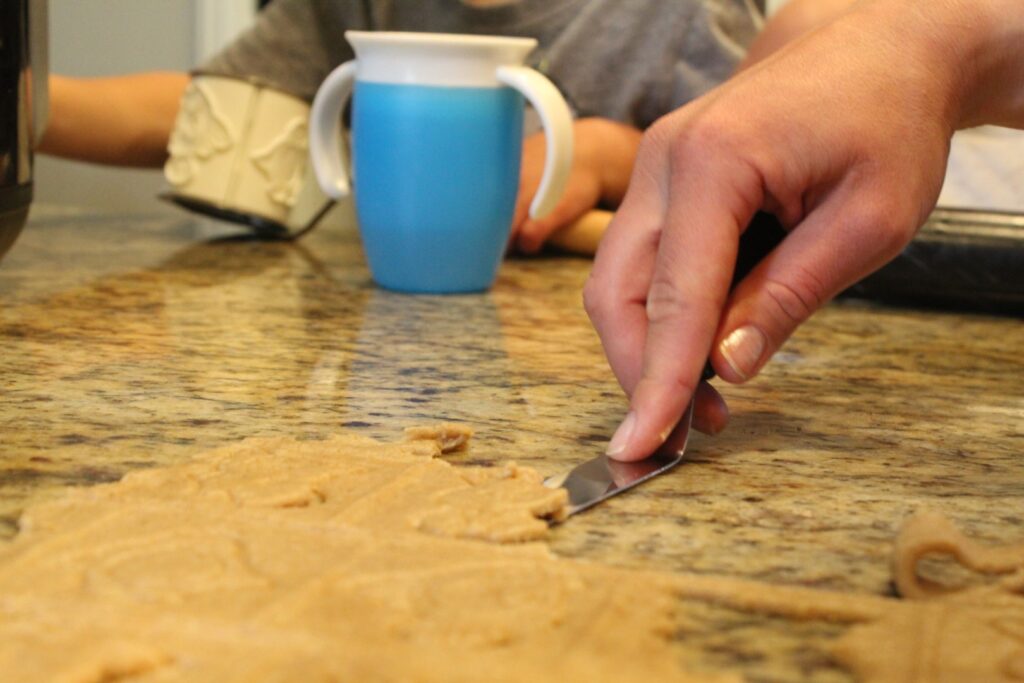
{"x":120,"y":120}
{"x":603,"y":156}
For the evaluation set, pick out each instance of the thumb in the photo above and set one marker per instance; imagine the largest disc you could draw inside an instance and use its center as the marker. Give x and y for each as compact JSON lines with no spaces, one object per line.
{"x":834,"y":247}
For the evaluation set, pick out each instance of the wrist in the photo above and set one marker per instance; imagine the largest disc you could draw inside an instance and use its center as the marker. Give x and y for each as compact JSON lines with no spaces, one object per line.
{"x":992,"y":37}
{"x":976,"y":49}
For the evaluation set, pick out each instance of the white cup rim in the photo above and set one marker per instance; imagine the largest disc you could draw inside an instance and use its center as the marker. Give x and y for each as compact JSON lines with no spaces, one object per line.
{"x":454,"y":39}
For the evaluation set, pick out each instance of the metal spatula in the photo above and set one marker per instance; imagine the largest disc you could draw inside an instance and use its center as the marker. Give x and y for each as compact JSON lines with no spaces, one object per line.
{"x":599,"y":478}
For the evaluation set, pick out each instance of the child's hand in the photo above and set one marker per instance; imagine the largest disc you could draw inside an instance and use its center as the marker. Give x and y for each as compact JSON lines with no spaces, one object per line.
{"x":603,"y":156}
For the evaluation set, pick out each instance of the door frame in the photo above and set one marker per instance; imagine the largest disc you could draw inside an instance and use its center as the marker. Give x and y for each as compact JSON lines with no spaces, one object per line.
{"x":217,"y":22}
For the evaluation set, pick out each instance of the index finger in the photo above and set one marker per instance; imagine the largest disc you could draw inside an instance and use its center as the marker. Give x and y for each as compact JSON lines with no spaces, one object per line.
{"x":710,"y":201}
{"x":615,"y":295}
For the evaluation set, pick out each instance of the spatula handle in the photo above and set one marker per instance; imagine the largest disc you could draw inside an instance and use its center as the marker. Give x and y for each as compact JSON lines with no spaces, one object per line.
{"x":762,"y":235}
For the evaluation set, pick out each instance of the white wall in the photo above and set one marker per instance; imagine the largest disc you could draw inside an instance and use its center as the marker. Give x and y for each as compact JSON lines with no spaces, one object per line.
{"x":109,"y":37}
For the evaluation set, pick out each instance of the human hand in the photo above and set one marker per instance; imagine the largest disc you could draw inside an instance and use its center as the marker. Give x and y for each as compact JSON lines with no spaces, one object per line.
{"x":843,"y":136}
{"x":603,"y":155}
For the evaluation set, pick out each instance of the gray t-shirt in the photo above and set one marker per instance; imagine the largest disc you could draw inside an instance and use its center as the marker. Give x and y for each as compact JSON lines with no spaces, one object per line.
{"x":628,"y":60}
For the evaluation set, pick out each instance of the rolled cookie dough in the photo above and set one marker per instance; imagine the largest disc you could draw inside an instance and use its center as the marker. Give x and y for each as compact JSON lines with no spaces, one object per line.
{"x":277,"y":560}
{"x":340,"y":560}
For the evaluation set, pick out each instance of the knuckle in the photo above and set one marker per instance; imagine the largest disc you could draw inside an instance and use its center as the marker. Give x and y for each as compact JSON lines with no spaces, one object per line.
{"x":796,"y":297}
{"x":681,"y":385}
{"x":665,"y":303}
{"x":667,"y":139}
{"x":890,"y":238}
{"x":885,"y":226}
{"x":870,"y":215}
{"x":894,"y":233}
{"x":657,"y":388}
{"x":594,"y":298}
{"x":686,"y":148}
{"x":706,"y":136}
{"x":658,"y":133}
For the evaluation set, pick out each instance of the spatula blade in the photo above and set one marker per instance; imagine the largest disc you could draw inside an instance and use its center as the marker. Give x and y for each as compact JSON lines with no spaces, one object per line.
{"x":600,"y":478}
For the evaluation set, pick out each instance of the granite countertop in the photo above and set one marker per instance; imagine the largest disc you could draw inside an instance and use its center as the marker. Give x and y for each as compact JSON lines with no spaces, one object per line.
{"x":136,"y":340}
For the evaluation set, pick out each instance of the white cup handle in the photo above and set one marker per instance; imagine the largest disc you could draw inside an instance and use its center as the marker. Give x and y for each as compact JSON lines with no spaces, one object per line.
{"x":325,"y":144}
{"x":554,"y":114}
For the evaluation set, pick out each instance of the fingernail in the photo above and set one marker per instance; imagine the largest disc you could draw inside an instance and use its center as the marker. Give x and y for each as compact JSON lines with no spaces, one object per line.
{"x":742,"y":350}
{"x":622,"y":435}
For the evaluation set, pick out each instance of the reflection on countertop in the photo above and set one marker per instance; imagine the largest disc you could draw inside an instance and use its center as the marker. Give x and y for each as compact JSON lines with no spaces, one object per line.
{"x":131,"y":341}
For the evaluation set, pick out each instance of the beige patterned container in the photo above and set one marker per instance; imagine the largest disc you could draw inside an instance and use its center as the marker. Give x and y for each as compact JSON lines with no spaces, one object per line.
{"x":240,"y":151}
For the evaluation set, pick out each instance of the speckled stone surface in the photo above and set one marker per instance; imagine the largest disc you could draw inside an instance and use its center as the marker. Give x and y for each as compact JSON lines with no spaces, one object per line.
{"x":132,"y":341}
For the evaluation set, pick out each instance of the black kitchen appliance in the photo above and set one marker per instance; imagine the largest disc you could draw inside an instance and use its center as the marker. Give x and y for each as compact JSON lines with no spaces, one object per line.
{"x":23,"y":106}
{"x":961,"y":259}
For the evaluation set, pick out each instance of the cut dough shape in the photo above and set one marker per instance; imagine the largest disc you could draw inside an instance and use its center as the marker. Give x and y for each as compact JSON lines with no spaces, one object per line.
{"x":974,"y":635}
{"x":950,"y":636}
{"x":930,"y":533}
{"x":449,"y":436}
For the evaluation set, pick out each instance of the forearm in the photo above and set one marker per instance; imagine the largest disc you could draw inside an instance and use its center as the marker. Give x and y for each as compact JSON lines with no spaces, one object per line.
{"x":987,"y":37}
{"x":123,"y":120}
{"x":982,"y":41}
{"x":795,"y":19}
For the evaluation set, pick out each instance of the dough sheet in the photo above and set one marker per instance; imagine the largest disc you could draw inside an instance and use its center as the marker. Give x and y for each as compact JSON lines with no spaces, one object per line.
{"x":276,"y":560}
{"x":338,"y":560}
